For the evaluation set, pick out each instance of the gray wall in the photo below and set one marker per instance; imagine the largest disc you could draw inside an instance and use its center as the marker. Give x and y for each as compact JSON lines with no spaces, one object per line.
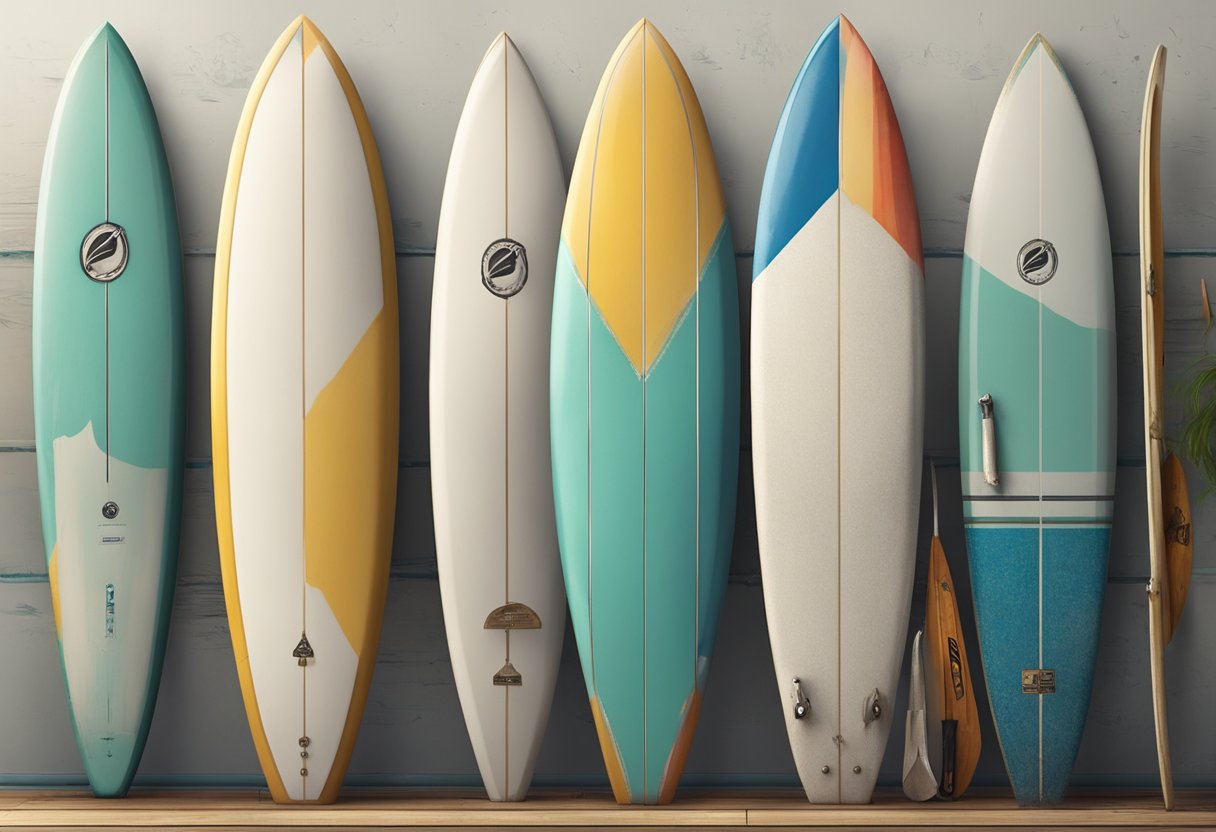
{"x":944,"y":63}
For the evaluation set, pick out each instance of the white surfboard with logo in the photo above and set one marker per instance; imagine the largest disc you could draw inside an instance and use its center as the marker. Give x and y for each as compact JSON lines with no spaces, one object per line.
{"x":499,"y":571}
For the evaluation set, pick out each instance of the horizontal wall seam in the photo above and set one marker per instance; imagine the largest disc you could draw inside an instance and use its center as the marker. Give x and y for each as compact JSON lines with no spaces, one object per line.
{"x":930,"y":253}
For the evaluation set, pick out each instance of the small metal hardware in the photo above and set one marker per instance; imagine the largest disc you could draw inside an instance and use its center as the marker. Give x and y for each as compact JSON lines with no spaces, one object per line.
{"x":873,"y":708}
{"x":109,"y":610}
{"x":303,"y":755}
{"x":303,"y":651}
{"x":109,"y":510}
{"x":802,"y":705}
{"x":1039,"y":681}
{"x":508,"y":676}
{"x":857,"y":769}
{"x":826,"y":769}
{"x":303,"y":772}
{"x":988,"y":429}
{"x":305,"y":742}
{"x":513,"y":616}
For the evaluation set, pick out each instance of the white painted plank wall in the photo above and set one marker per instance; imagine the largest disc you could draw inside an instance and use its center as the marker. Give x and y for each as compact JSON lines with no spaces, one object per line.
{"x":944,"y":63}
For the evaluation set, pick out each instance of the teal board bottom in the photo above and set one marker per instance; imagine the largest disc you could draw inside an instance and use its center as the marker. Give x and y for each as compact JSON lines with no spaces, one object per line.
{"x":645,"y":474}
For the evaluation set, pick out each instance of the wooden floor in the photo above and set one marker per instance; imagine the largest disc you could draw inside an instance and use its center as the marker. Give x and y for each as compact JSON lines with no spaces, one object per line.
{"x":197,"y":810}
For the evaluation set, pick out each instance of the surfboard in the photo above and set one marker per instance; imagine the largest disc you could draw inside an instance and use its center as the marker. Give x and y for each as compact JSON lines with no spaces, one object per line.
{"x":644,"y":416}
{"x":304,"y":411}
{"x":491,"y":477}
{"x":109,"y":401}
{"x":837,"y":368}
{"x":1169,"y":521}
{"x":1037,"y":418}
{"x":952,"y":706}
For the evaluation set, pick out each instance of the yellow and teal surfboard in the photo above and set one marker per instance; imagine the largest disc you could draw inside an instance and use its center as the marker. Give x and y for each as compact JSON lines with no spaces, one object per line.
{"x":644,"y":397}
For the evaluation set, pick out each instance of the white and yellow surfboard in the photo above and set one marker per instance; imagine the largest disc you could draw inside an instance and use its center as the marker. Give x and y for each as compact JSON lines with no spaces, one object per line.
{"x":304,"y":410}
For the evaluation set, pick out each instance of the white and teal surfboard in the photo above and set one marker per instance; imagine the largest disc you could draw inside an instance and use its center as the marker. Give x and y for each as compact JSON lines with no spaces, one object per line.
{"x":1037,"y":418}
{"x":109,"y":400}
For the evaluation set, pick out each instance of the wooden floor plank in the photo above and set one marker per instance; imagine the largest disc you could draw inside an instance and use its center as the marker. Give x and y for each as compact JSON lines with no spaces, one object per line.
{"x":556,"y":810}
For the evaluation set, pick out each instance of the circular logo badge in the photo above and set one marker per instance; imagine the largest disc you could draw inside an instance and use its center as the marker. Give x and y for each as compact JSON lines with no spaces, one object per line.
{"x":1037,"y":262}
{"x":103,"y":254}
{"x":109,"y":510}
{"x":504,"y":267}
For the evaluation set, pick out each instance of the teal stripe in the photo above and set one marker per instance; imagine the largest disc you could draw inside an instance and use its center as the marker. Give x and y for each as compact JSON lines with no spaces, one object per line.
{"x":999,"y":354}
{"x":671,"y":545}
{"x":568,"y":438}
{"x":720,"y":397}
{"x":617,"y":563}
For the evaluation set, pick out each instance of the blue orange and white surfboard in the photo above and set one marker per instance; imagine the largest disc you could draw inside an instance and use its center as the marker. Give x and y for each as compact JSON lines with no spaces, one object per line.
{"x":837,"y":357}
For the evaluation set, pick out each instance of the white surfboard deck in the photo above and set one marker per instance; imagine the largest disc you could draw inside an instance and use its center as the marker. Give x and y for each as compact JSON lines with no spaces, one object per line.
{"x":837,"y":375}
{"x":491,"y":477}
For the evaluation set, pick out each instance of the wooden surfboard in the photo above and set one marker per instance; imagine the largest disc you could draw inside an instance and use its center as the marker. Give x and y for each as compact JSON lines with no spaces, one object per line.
{"x":491,"y":476}
{"x":1037,"y":418}
{"x":304,"y":411}
{"x":837,"y":371}
{"x":645,"y":411}
{"x":109,"y":401}
{"x":1169,"y":511}
{"x":954,"y":714}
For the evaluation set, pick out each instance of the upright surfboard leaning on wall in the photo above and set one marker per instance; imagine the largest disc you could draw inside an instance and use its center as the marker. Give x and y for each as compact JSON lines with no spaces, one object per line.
{"x":109,"y":401}
{"x":304,"y":411}
{"x":837,"y":410}
{"x":500,"y":578}
{"x":1037,"y":418}
{"x":644,"y":416}
{"x":1170,"y":544}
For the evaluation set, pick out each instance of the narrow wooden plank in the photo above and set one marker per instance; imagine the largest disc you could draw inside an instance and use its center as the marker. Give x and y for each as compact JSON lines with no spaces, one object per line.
{"x":250,"y":809}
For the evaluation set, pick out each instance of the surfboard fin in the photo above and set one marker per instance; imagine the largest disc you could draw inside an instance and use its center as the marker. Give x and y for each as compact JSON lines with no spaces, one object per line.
{"x":919,"y":781}
{"x":873,"y":707}
{"x":988,"y":425}
{"x":508,"y":676}
{"x":512,"y":616}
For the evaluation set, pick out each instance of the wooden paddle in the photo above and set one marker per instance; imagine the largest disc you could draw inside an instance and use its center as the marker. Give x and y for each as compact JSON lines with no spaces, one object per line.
{"x":950,"y":672}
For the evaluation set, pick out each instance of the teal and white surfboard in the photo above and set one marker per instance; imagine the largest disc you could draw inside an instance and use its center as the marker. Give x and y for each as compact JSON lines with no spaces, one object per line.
{"x":1037,"y":418}
{"x":109,"y":400}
